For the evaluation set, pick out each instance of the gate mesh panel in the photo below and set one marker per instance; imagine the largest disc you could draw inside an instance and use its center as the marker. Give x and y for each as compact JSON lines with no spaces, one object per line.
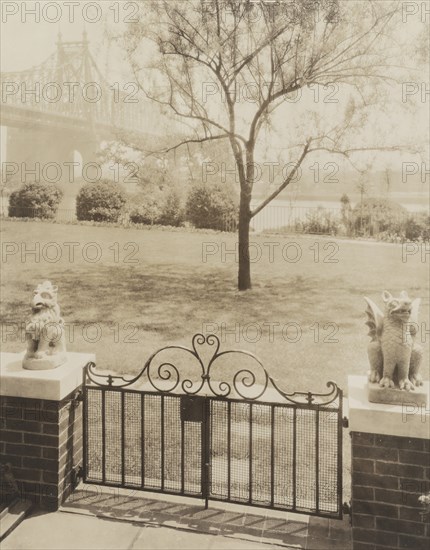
{"x":192,"y":458}
{"x":132,"y":439}
{"x":274,"y":455}
{"x":240,"y":452}
{"x":329,"y":462}
{"x":219,"y":449}
{"x":283,"y":447}
{"x":172,"y":443}
{"x":93,"y":448}
{"x":279,"y":444}
{"x":306,"y":460}
{"x":113,"y":436}
{"x":261,"y":454}
{"x":152,"y":438}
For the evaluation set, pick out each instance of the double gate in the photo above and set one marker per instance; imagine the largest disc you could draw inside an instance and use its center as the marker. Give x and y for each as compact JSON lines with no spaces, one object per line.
{"x":227,"y":433}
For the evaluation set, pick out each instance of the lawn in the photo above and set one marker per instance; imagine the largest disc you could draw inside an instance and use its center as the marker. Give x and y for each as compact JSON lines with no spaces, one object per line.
{"x":304,"y":319}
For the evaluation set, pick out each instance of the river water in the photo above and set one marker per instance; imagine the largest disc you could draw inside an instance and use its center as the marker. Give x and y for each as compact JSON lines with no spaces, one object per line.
{"x":280,"y":213}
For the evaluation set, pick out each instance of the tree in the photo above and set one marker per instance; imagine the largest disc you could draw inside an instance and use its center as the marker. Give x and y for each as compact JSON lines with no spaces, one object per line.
{"x":362,"y":188}
{"x":345,"y":210}
{"x":273,"y":51}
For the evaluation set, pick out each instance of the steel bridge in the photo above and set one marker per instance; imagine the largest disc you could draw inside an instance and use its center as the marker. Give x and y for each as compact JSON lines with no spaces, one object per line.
{"x":65,"y":104}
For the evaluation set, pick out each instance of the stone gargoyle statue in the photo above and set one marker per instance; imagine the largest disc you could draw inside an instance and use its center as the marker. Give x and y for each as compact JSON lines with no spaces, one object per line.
{"x":394,"y":356}
{"x":44,"y":330}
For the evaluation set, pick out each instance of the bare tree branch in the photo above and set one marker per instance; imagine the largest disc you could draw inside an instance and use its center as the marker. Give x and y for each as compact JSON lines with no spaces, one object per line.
{"x":285,"y":182}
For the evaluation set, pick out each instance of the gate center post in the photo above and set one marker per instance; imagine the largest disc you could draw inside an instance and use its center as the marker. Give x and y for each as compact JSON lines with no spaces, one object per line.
{"x":206,"y":451}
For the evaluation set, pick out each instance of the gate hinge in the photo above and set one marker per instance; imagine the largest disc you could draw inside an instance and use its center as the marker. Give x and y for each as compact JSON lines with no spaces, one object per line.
{"x":347,"y":509}
{"x":8,"y":482}
{"x":77,"y":398}
{"x":345,"y":422}
{"x":77,"y":474}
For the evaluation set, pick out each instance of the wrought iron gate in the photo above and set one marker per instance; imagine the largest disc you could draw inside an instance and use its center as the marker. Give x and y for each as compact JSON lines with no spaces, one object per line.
{"x":241,"y":439}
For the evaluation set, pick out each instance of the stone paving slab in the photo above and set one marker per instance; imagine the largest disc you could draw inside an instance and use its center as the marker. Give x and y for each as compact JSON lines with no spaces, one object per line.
{"x":12,"y":515}
{"x":63,"y":531}
{"x":222,"y":520}
{"x":60,"y":531}
{"x":161,"y":539}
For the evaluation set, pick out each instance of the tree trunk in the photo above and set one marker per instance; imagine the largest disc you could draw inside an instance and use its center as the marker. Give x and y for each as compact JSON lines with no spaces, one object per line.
{"x":244,"y":278}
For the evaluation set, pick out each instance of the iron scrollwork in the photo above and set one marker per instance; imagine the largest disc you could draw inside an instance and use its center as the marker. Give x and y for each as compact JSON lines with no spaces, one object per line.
{"x":250,"y":384}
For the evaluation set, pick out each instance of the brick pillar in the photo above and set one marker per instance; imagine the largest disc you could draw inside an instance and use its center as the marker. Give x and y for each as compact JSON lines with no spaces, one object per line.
{"x":390,"y":470}
{"x":41,"y":428}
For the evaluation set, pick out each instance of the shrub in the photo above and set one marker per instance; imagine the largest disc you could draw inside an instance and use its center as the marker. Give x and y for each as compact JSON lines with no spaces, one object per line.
{"x":375,"y":215}
{"x":147,"y":209}
{"x":172,"y":211}
{"x":417,"y":227}
{"x":319,"y":221}
{"x":210,"y":207}
{"x":35,"y":200}
{"x":157,"y":207}
{"x":100,"y":202}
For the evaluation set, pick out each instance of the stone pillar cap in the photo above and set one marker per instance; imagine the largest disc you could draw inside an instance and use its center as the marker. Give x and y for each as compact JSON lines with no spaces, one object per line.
{"x":405,"y":420}
{"x":52,"y":385}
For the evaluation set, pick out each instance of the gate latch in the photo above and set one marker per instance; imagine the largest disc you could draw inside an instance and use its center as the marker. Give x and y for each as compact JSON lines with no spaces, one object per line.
{"x":345,"y":422}
{"x":346,"y":509}
{"x":77,"y":474}
{"x":192,"y":408}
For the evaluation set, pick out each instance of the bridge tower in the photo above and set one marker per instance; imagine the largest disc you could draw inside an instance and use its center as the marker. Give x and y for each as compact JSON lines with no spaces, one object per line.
{"x":55,"y":110}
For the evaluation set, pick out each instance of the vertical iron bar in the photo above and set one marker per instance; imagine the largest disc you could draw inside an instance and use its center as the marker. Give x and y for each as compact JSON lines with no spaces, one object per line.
{"x":203,"y":458}
{"x":123,"y":438}
{"x":317,"y":460}
{"x":272,"y":455}
{"x":103,"y":437}
{"x":142,"y":439}
{"x":84,"y":423}
{"x":209,"y":405}
{"x":162,"y":442}
{"x":250,"y":452}
{"x":294,"y":457}
{"x":339,"y":453}
{"x":182,"y":455}
{"x":228,"y":449}
{"x":206,"y":449}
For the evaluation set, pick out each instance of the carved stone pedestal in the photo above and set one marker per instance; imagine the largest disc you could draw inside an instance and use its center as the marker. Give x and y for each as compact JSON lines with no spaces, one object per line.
{"x":394,"y":396}
{"x":46,"y":363}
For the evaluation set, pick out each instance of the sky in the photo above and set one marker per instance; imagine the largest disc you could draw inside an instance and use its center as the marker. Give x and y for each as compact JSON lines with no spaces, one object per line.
{"x":28,"y":38}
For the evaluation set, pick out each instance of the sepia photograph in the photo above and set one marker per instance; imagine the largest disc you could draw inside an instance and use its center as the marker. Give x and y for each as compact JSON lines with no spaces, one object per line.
{"x":215,"y":253}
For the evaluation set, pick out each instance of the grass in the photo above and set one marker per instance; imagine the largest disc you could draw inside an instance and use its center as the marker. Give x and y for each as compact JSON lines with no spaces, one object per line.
{"x":310,"y":313}
{"x":171,"y":293}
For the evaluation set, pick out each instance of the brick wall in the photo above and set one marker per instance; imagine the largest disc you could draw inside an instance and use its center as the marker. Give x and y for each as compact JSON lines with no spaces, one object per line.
{"x":42,"y":441}
{"x":389,"y":473}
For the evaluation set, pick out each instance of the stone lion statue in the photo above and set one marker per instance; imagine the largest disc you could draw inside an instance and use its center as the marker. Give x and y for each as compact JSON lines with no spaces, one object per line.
{"x":44,"y":330}
{"x":394,"y":357}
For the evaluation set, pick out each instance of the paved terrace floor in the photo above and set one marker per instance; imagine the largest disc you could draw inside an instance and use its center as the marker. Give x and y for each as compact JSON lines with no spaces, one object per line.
{"x":106,"y":518}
